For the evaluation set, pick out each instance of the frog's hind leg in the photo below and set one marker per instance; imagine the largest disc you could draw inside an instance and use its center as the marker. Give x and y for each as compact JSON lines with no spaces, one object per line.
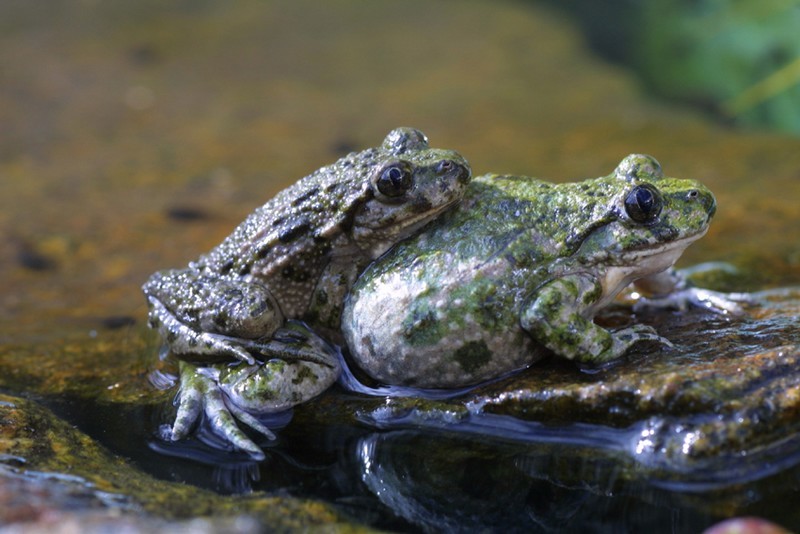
{"x":184,"y":340}
{"x":205,"y":316}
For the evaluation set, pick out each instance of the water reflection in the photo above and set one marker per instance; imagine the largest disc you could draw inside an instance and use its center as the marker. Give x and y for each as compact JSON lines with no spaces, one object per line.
{"x":444,"y":489}
{"x":456,"y":484}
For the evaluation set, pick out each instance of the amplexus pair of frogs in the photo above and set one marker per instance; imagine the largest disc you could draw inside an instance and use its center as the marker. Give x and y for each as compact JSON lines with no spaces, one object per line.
{"x":429,"y":278}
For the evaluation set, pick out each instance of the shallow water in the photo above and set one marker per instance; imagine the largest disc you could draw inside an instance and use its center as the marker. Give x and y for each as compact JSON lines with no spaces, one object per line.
{"x":136,"y":138}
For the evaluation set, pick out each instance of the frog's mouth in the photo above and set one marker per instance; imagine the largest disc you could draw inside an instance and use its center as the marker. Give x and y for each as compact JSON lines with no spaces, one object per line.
{"x":412,"y":224}
{"x":665,"y":254}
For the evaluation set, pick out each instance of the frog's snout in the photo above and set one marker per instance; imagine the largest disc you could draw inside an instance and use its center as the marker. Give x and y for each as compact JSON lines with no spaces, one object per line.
{"x":705,"y":198}
{"x":457,"y":168}
{"x":464,"y":174}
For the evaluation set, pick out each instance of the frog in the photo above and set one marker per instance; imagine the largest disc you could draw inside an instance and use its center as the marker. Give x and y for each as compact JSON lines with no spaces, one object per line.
{"x":294,"y":259}
{"x":519,"y":270}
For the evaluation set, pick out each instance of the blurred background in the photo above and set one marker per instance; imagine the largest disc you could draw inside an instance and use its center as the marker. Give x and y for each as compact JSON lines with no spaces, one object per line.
{"x":135,"y":135}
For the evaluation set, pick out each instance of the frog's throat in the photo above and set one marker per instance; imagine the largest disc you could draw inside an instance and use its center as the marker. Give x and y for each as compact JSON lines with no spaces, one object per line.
{"x":640,"y":264}
{"x":377,"y":240}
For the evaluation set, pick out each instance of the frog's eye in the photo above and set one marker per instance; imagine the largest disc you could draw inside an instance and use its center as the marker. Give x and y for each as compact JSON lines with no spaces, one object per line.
{"x":643,"y":204}
{"x":395,"y":180}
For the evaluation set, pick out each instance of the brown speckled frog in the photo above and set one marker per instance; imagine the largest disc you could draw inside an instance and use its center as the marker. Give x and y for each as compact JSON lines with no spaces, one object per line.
{"x":296,"y":257}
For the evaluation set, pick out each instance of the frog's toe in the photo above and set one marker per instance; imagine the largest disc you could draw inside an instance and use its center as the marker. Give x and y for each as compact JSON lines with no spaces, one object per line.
{"x":224,"y":425}
{"x":251,"y":421}
{"x":223,"y":346}
{"x":200,"y":394}
{"x":190,"y":406}
{"x":626,"y":338}
{"x":713,"y":301}
{"x":717,"y":302}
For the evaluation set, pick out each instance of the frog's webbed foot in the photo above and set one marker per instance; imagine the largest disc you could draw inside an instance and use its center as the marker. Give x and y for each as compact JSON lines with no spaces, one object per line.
{"x":228,"y":394}
{"x":672,"y":290}
{"x":600,"y":346}
{"x":200,"y":394}
{"x":683,"y":299}
{"x":625,"y":338}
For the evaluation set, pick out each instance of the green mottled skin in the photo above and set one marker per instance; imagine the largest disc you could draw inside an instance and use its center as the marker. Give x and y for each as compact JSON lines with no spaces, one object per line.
{"x":521,"y":265}
{"x":295,"y":257}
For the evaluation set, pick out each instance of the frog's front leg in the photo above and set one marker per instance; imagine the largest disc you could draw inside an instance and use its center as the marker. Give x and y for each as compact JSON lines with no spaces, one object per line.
{"x":671,"y":290}
{"x":327,"y":300}
{"x":559,"y":316}
{"x":199,"y":394}
{"x":208,"y":318}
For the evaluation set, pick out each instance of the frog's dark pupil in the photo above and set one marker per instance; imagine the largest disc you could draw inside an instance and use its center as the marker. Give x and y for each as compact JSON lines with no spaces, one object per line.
{"x":394,"y":181}
{"x":645,"y":199}
{"x":643,"y":204}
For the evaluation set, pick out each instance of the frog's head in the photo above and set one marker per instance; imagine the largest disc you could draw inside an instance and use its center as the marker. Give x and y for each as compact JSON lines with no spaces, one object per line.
{"x":648,"y":219}
{"x":408,"y":185}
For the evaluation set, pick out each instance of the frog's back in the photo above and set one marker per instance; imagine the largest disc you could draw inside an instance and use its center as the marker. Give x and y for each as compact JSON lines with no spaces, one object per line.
{"x":304,"y":219}
{"x":497,"y":223}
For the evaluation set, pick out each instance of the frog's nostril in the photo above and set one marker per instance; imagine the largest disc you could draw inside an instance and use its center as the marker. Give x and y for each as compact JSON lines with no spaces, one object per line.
{"x":706,"y":200}
{"x":445,"y":166}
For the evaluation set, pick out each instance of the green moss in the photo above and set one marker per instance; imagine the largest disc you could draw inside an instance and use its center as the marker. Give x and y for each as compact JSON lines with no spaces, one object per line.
{"x":421,"y":326}
{"x":472,"y":356}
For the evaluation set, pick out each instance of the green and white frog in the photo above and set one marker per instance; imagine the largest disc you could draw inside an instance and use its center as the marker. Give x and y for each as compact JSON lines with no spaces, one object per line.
{"x":295,"y":258}
{"x":522,"y":265}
